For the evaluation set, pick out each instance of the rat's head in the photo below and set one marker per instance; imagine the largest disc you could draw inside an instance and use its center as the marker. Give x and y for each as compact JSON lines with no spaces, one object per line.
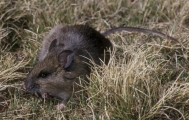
{"x":54,"y":75}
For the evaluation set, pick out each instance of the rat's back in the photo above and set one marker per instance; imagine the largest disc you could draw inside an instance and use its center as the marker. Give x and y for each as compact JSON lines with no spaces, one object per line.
{"x":78,"y":37}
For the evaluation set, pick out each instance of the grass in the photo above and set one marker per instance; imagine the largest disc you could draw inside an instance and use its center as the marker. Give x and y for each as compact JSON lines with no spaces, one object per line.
{"x":146,"y":78}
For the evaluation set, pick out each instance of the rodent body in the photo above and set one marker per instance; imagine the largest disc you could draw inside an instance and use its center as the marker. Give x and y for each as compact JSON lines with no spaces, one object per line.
{"x":63,"y":59}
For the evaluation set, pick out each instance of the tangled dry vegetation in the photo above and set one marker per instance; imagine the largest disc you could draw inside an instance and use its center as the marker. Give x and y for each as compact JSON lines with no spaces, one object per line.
{"x":146,"y":78}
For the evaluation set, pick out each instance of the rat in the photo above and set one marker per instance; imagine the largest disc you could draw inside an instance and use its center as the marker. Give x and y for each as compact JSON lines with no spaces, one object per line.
{"x":65,"y":57}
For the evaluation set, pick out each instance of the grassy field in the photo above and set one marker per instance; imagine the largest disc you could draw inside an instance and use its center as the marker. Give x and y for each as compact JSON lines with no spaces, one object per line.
{"x":147,"y":77}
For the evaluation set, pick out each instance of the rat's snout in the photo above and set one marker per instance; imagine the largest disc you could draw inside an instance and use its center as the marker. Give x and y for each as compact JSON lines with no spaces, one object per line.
{"x":24,"y":86}
{"x":29,"y":86}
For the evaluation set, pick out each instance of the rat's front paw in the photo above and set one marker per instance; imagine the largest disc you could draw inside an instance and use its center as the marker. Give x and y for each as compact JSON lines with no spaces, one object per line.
{"x":60,"y":106}
{"x":44,"y":95}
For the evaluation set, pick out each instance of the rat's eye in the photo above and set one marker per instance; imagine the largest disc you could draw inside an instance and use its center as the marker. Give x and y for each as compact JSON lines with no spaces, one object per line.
{"x":43,"y":74}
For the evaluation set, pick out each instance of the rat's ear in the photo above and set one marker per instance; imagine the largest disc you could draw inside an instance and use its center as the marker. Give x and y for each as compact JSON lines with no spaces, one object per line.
{"x":53,"y":44}
{"x":65,"y":58}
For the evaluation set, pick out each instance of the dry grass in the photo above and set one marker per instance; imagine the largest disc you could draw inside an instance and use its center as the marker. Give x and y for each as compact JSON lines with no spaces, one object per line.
{"x":146,"y":78}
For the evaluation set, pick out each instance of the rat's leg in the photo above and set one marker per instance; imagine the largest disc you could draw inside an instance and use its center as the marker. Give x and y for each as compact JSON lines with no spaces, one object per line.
{"x":60,"y":106}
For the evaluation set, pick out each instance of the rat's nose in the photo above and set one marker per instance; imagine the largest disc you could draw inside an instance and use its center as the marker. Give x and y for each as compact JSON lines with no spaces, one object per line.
{"x":24,"y":87}
{"x":30,"y":85}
